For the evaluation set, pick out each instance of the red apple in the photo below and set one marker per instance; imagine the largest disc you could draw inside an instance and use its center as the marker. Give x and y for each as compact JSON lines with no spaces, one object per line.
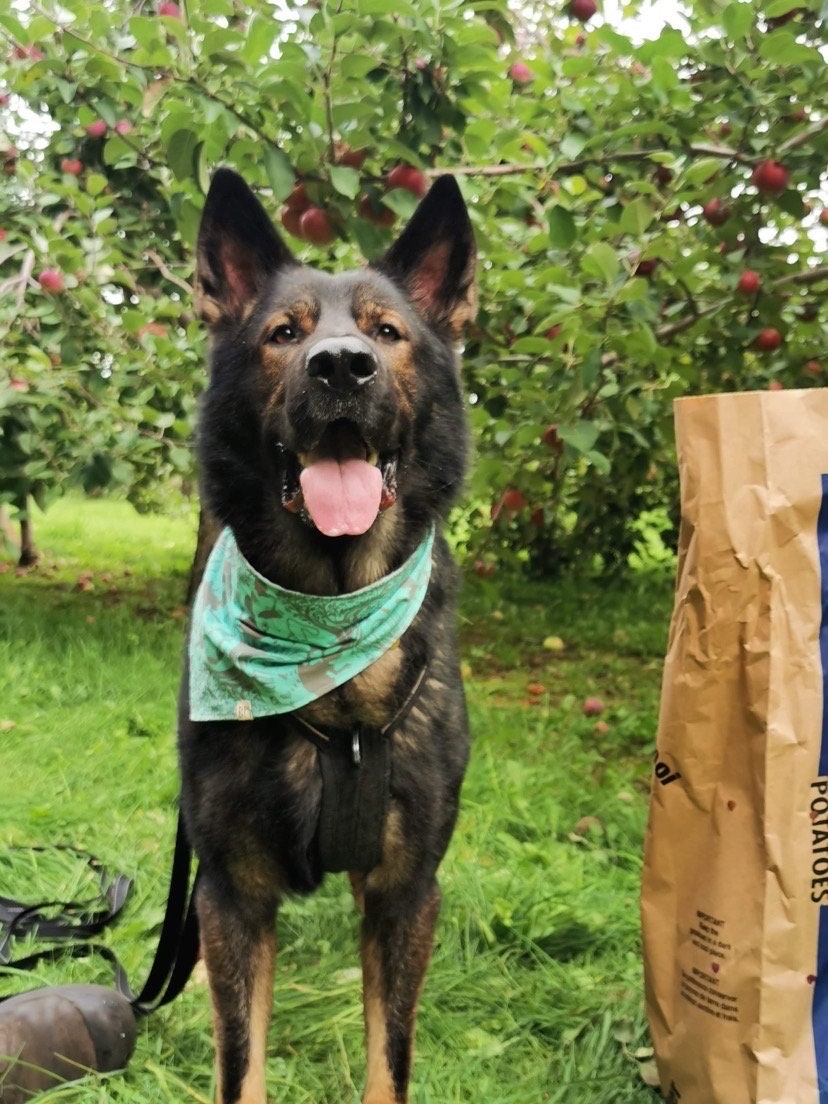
{"x":552,"y":332}
{"x":298,"y":199}
{"x":537,"y":517}
{"x":592,"y":707}
{"x":4,"y":99}
{"x":344,"y":155}
{"x":3,"y":234}
{"x":9,"y":158}
{"x":520,"y":73}
{"x":583,"y":10}
{"x":51,"y":280}
{"x":551,"y":439}
{"x":823,"y":216}
{"x":123,"y":126}
{"x":18,"y":385}
{"x":71,"y":166}
{"x":30,"y":52}
{"x":771,"y":178}
{"x":513,"y":500}
{"x":316,"y":226}
{"x":97,"y":129}
{"x":409,"y":178}
{"x":484,"y":568}
{"x":291,"y":220}
{"x":379,"y":215}
{"x":715,"y":212}
{"x":167,"y":7}
{"x":813,"y":368}
{"x":749,"y":282}
{"x":776,"y":385}
{"x":646,"y":267}
{"x":154,"y":329}
{"x":768,"y":339}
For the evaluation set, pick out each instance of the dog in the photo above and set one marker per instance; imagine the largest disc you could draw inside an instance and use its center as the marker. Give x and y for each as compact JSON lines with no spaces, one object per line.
{"x":332,"y":443}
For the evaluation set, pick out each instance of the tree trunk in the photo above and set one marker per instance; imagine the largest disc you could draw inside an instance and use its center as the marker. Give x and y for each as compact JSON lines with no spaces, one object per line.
{"x":29,"y":555}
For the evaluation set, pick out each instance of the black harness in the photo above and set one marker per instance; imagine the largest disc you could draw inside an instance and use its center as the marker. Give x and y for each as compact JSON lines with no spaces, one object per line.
{"x":356,"y":788}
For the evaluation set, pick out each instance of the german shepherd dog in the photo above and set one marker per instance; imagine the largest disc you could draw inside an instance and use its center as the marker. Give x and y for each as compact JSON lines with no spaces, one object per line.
{"x":332,"y":442}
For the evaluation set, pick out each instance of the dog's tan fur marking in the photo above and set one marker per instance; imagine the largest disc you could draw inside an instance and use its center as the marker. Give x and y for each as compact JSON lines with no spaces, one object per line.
{"x":379,"y":1088}
{"x":253,"y":1086}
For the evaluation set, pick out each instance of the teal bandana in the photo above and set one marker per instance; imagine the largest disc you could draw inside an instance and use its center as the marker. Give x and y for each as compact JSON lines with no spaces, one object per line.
{"x":257,"y":649}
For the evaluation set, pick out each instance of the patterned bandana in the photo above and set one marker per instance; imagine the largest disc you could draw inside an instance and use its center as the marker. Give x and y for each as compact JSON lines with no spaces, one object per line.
{"x":256,"y":649}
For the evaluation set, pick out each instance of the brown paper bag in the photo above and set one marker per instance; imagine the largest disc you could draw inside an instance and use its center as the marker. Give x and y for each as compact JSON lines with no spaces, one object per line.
{"x":735,"y":882}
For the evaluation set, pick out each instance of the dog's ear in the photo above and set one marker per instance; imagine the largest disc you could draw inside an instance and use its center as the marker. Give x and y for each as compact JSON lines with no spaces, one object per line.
{"x":238,"y":249}
{"x":434,"y":258}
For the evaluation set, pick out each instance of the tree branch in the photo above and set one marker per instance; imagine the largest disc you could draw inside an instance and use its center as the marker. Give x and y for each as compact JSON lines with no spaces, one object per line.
{"x":160,"y":264}
{"x":809,"y":276}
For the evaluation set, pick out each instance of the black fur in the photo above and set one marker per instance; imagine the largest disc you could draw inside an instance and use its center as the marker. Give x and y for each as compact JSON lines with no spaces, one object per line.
{"x":251,"y":790}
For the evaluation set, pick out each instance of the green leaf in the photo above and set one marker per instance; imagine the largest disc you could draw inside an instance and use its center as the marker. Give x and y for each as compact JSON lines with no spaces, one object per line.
{"x":782,"y":48}
{"x":345,"y":180}
{"x":637,"y":216}
{"x":581,"y":435}
{"x":95,"y":183}
{"x":702,"y":170}
{"x":664,"y":74}
{"x":180,"y":151}
{"x":280,"y":172}
{"x":738,"y":19}
{"x":562,"y":229}
{"x":602,"y":261}
{"x":401,"y":201}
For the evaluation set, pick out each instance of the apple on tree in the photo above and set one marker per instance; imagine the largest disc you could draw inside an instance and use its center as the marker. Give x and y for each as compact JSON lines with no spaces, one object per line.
{"x":51,"y":280}
{"x":520,"y":72}
{"x":770,"y":178}
{"x":715,"y":212}
{"x":749,"y":282}
{"x":768,"y":339}
{"x":583,"y":10}
{"x":409,"y":178}
{"x":316,"y":226}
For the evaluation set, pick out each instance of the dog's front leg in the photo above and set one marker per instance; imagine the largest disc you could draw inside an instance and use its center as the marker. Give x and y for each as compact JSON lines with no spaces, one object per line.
{"x":397,"y":937}
{"x":239,"y":947}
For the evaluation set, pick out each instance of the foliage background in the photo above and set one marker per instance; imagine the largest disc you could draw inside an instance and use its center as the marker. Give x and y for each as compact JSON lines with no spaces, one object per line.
{"x":606,"y":292}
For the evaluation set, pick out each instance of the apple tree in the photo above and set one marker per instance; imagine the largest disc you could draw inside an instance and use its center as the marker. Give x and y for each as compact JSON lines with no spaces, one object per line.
{"x":649,"y":203}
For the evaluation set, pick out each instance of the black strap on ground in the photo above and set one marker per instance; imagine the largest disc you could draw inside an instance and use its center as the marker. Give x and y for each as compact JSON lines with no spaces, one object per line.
{"x":356,"y":789}
{"x":71,"y":925}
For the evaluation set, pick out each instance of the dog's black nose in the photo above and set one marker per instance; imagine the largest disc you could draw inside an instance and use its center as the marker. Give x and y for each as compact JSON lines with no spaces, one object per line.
{"x":343,"y":363}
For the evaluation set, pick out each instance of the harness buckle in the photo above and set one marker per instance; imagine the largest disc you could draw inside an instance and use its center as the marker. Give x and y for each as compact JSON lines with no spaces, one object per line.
{"x":356,"y":747}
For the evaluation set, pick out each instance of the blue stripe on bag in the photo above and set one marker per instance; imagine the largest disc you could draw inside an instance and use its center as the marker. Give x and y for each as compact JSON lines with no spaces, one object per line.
{"x":819,"y":1014}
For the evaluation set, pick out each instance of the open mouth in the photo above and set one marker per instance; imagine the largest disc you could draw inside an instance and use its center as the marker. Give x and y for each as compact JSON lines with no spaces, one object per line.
{"x":342,"y":484}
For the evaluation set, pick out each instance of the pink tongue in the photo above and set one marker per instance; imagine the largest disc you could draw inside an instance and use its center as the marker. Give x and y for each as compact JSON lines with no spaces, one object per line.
{"x":342,"y":498}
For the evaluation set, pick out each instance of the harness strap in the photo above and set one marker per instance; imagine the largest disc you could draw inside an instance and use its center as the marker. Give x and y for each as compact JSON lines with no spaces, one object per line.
{"x":356,"y":788}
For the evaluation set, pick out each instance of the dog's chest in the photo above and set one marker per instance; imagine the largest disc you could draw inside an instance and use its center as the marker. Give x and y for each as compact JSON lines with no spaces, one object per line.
{"x":368,"y":698}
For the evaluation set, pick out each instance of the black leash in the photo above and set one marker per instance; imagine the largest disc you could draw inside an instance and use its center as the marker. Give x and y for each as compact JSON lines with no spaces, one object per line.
{"x":71,"y":925}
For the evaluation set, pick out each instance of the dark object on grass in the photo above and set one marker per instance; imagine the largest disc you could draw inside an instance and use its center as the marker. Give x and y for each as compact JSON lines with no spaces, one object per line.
{"x":59,"y":1034}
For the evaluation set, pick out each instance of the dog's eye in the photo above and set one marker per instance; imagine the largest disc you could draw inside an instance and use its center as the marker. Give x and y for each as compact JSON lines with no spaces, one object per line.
{"x":387,"y":332}
{"x":282,"y":335}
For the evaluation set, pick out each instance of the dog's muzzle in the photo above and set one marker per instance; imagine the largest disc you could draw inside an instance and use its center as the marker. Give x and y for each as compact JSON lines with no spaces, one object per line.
{"x":342,"y":363}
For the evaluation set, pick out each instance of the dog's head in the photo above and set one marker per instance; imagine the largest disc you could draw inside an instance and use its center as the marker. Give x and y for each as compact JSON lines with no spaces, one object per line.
{"x":334,"y":399}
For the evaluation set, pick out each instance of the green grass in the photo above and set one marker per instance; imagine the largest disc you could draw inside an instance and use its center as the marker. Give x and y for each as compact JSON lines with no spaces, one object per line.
{"x":534,"y":992}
